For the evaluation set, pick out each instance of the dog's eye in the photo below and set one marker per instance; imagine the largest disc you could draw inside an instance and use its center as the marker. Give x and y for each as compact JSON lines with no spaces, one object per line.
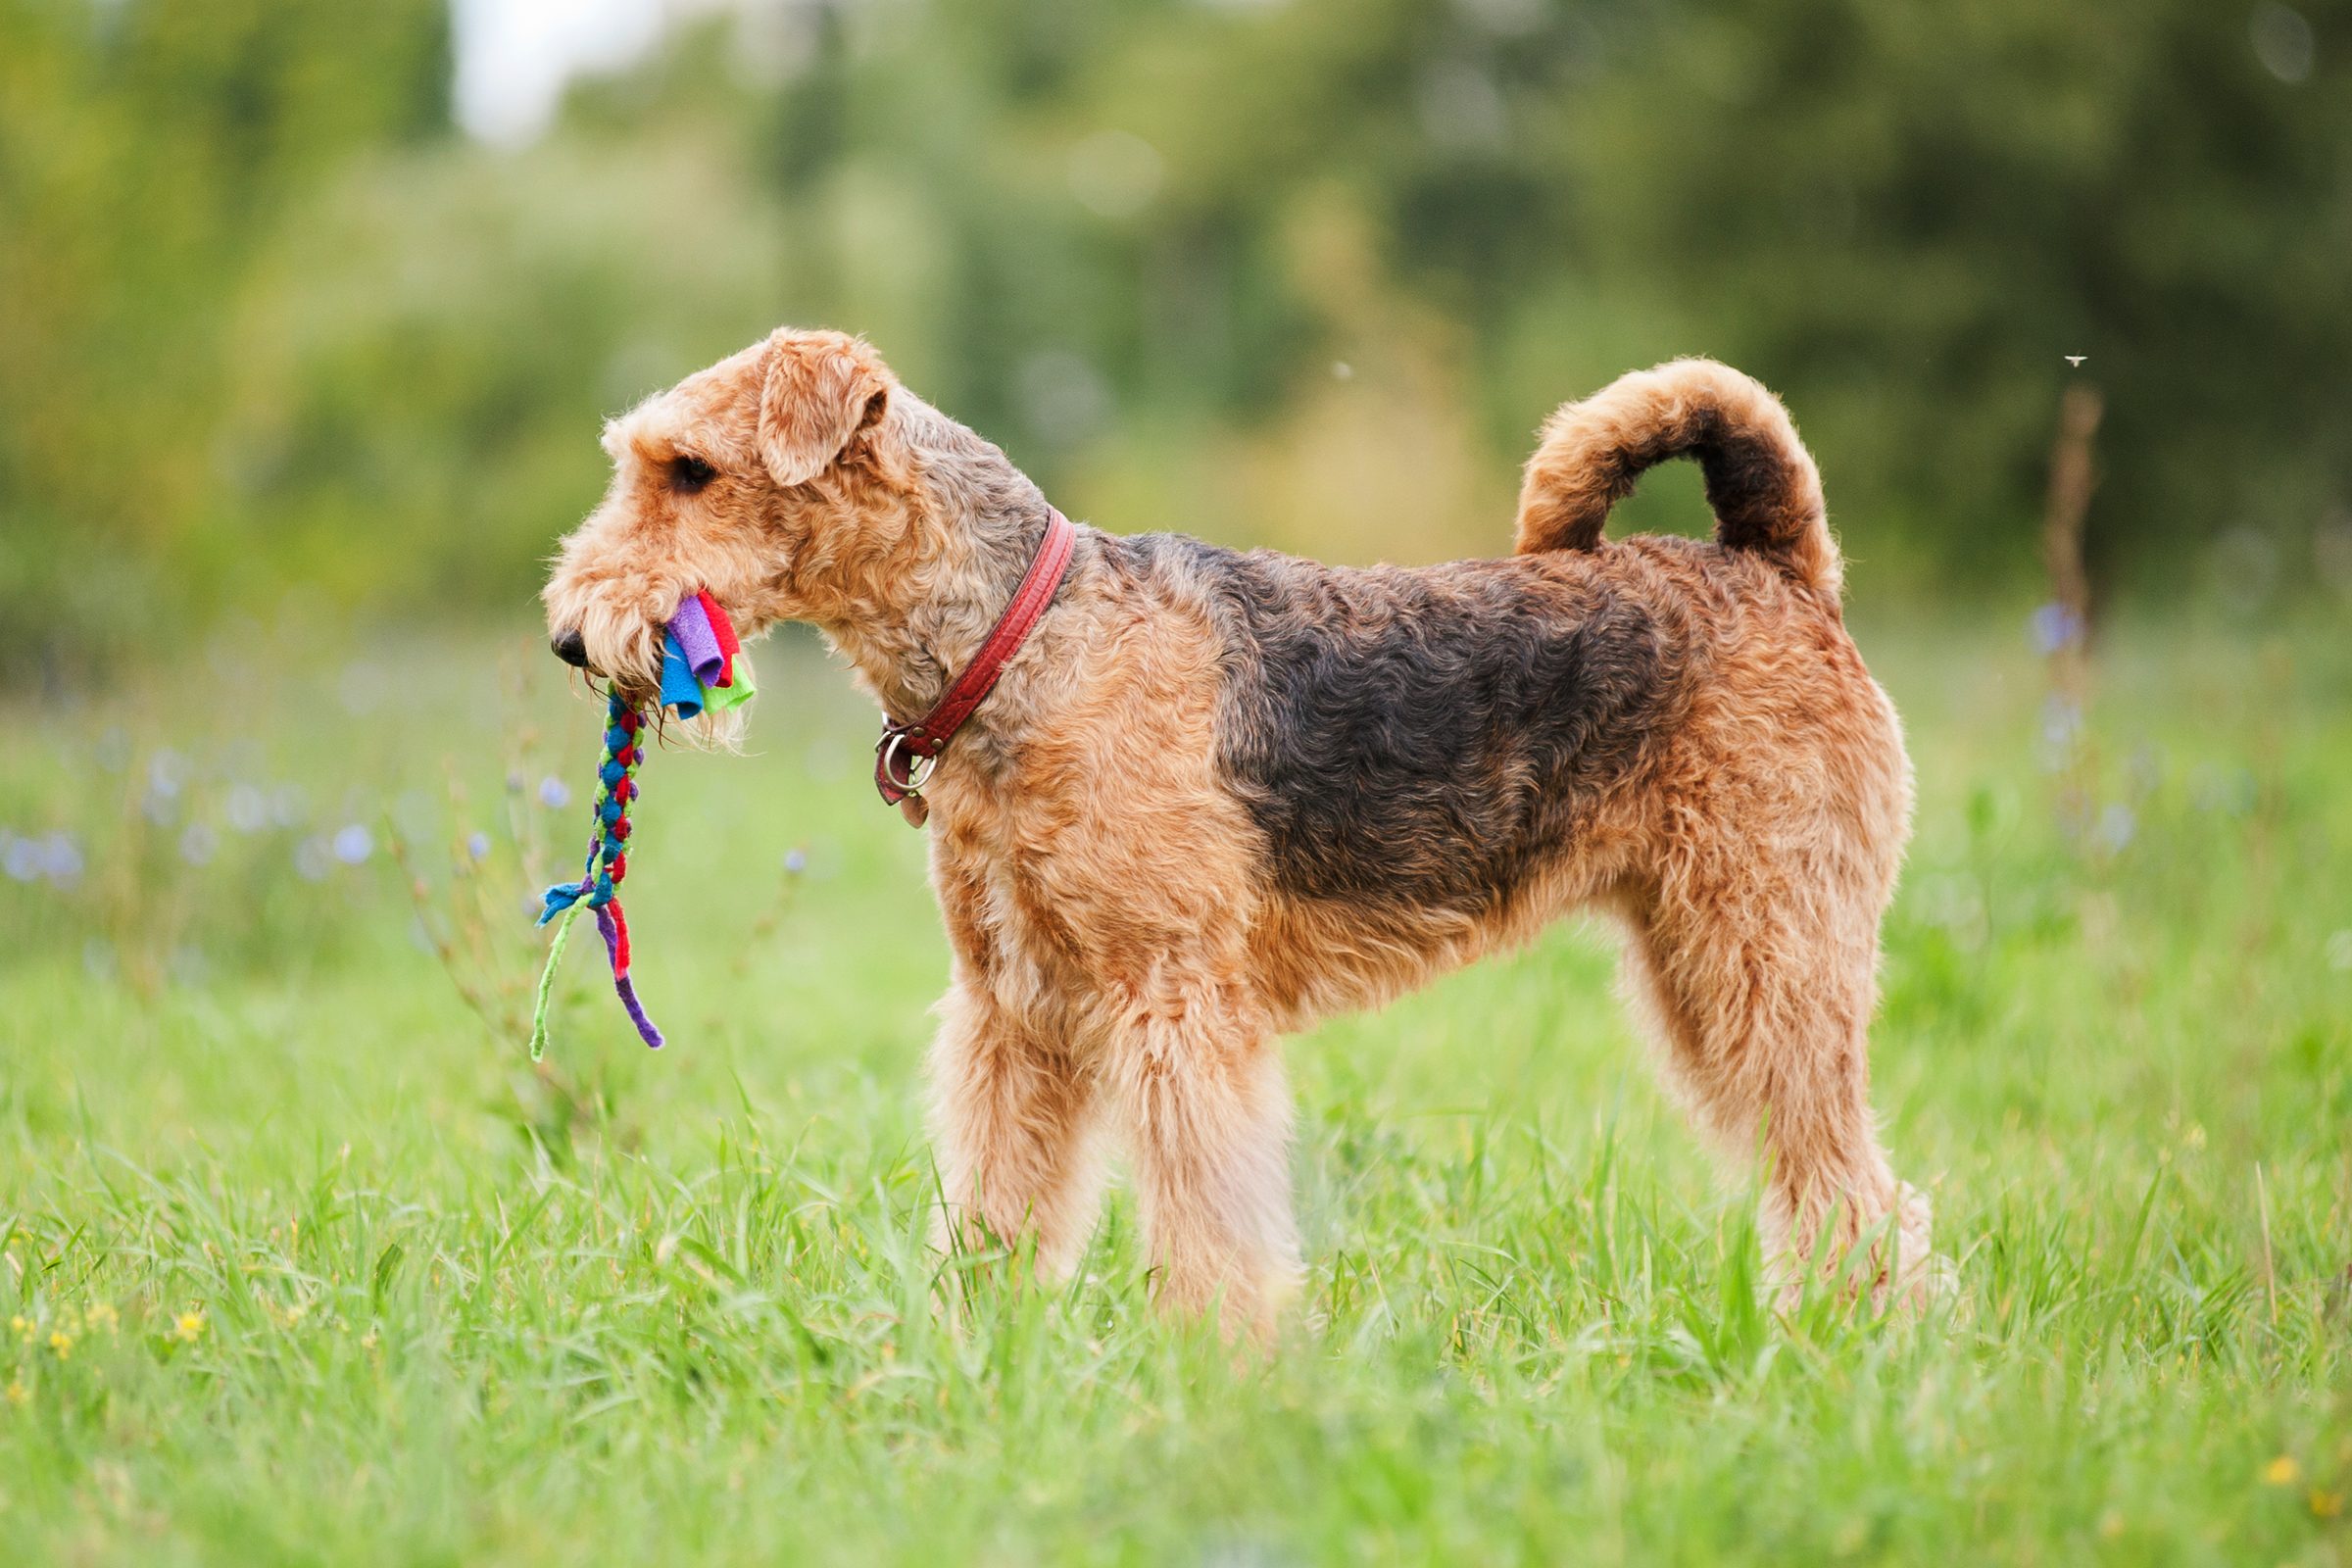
{"x":690,"y":473}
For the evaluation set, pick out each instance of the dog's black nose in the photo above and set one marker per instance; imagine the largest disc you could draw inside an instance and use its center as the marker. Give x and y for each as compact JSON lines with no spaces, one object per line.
{"x":571,"y":647}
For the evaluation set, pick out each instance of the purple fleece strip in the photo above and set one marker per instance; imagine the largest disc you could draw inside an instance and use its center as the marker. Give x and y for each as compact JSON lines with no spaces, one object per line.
{"x":692,"y":629}
{"x":645,"y":1026}
{"x":610,"y":931}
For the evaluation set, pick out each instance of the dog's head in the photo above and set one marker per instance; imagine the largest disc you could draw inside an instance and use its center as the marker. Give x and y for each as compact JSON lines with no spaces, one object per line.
{"x":777,"y":479}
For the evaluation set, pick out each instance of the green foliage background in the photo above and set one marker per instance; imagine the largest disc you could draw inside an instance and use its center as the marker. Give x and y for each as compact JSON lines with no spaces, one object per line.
{"x":1304,"y":273}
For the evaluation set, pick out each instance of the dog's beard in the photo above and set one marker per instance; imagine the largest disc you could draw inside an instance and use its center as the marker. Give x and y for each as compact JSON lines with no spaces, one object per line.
{"x":619,"y":642}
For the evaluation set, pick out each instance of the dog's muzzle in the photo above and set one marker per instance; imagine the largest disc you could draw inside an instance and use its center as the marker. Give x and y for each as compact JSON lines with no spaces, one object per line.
{"x":571,"y":647}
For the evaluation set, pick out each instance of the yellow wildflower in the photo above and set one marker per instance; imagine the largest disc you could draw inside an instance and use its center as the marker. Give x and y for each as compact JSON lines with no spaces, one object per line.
{"x":61,"y":1342}
{"x":102,"y":1316}
{"x":2326,"y":1504}
{"x":2282,"y":1471}
{"x":191,"y":1326}
{"x":17,"y":1392}
{"x":22,"y":1328}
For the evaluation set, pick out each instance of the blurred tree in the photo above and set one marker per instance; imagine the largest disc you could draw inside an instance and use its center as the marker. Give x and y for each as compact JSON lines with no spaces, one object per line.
{"x":147,"y":151}
{"x":1906,"y":215}
{"x":1903,"y":217}
{"x":1307,"y":271}
{"x":426,"y":359}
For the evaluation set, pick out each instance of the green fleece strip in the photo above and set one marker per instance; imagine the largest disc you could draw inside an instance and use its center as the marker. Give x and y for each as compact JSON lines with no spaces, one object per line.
{"x":547,"y":980}
{"x":718,"y":699}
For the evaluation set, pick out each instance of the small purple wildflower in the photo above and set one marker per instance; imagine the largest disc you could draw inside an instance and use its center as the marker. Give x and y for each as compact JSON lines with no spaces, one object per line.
{"x":353,"y":844}
{"x":2061,"y":722}
{"x":312,"y":858}
{"x":795,"y":862}
{"x":247,"y":808}
{"x":198,"y":842}
{"x":478,"y":845}
{"x":60,"y":860}
{"x":2053,"y":626}
{"x":2061,"y":732}
{"x":553,"y":792}
{"x":2117,"y":825}
{"x":166,"y":771}
{"x":289,"y":807}
{"x":20,"y":858}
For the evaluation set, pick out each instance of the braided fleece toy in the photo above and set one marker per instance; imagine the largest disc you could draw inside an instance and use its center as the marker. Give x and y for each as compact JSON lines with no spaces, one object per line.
{"x":699,"y":670}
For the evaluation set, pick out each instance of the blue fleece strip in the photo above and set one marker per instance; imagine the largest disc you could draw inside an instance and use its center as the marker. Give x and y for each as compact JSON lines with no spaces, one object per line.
{"x":680,"y":691}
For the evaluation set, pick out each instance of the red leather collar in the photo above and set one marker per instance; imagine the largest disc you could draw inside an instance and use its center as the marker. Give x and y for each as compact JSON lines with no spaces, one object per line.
{"x":899,"y":755}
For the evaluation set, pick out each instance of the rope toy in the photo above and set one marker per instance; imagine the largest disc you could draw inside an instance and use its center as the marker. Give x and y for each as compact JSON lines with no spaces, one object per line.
{"x":699,"y":672}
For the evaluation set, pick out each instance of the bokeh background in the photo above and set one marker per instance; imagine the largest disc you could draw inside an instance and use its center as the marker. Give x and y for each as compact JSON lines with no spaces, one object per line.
{"x":309,"y":312}
{"x":317,"y":305}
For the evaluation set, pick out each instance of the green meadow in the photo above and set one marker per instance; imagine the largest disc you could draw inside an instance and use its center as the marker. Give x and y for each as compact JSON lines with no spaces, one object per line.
{"x":303,"y":1261}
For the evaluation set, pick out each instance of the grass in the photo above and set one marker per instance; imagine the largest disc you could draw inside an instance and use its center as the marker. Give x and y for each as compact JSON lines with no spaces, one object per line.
{"x":306,"y":1264}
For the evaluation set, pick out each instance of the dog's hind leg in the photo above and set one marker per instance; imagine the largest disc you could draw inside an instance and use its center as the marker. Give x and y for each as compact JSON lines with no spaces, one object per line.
{"x":1012,"y":1120}
{"x":1761,"y":981}
{"x":1201,"y":1089}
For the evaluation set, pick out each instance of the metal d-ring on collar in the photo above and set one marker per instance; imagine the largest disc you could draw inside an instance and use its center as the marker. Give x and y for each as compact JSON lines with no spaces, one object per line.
{"x":918,"y":767}
{"x":906,"y":754}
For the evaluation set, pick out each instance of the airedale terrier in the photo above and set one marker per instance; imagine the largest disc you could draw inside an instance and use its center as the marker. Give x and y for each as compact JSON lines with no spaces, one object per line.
{"x":1217,"y":795}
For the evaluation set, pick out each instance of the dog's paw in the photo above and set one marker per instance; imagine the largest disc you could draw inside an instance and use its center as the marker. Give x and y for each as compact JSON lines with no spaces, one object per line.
{"x":1922,"y":1277}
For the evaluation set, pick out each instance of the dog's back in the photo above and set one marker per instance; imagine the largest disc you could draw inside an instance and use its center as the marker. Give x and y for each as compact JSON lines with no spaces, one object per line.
{"x":1424,"y":737}
{"x":1430,"y":739}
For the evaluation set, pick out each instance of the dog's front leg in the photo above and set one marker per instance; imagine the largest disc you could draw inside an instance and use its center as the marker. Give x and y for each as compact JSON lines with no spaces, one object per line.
{"x":1012,"y":1117}
{"x":1203,"y":1092}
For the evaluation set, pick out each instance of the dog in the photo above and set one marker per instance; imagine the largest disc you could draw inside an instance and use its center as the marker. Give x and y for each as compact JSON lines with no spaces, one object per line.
{"x":1214,"y":796}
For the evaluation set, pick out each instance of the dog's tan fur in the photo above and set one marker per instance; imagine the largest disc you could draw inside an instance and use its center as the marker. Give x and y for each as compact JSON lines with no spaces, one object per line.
{"x":1140,"y":897}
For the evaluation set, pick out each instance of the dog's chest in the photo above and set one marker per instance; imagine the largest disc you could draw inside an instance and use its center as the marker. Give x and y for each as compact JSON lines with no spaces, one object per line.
{"x":1008,"y":926}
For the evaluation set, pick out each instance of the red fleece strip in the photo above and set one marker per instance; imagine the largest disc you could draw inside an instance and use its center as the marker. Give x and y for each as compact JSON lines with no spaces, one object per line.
{"x":620,"y":941}
{"x":724,"y":629}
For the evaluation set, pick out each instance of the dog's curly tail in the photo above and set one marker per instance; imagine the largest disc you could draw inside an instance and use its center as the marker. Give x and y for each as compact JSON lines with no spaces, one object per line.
{"x":1760,"y":478}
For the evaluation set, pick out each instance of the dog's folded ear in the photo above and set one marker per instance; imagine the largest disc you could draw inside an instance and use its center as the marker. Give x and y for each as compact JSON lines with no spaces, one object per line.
{"x":821,"y":391}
